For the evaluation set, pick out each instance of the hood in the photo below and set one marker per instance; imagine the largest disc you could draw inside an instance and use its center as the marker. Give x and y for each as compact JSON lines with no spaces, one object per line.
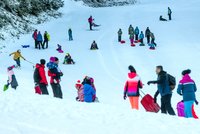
{"x":187,"y":78}
{"x":39,"y":65}
{"x":132,"y":75}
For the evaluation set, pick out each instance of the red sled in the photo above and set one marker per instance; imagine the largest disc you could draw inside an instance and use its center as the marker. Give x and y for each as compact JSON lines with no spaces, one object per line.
{"x":149,"y":104}
{"x":38,"y":90}
{"x":193,"y":113}
{"x":133,"y":45}
{"x":123,"y":41}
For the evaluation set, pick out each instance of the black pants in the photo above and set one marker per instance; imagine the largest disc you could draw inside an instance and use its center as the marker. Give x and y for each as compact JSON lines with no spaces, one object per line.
{"x":45,"y":42}
{"x":148,"y":39}
{"x":40,"y":44}
{"x":57,"y":92}
{"x":136,"y":37}
{"x":36,"y":44}
{"x":90,"y":26}
{"x":119,"y":38}
{"x":43,"y":88}
{"x":142,"y":41}
{"x":166,"y":105}
{"x":170,"y":16}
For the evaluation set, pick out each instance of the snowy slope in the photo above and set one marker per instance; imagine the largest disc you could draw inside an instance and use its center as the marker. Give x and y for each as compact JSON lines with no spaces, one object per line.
{"x":23,"y":112}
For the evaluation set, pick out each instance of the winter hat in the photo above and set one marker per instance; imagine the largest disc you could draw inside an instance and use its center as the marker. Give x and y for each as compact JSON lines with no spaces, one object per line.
{"x":52,"y":59}
{"x":132,"y":69}
{"x":11,"y":67}
{"x":78,"y":81}
{"x":56,"y":59}
{"x":188,"y":71}
{"x":42,"y":61}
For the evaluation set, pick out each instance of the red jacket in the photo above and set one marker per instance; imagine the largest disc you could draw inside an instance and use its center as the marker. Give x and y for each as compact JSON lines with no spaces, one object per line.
{"x":90,"y":20}
{"x":42,"y":74}
{"x":35,"y":35}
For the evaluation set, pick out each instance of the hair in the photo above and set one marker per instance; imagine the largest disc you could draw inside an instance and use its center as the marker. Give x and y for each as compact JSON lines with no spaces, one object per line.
{"x":56,"y":59}
{"x":132,"y":69}
{"x":188,"y":71}
{"x":160,"y":67}
{"x":42,"y":61}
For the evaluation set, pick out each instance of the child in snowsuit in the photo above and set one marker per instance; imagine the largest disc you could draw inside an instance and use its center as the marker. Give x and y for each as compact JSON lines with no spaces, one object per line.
{"x":11,"y":78}
{"x":79,"y":88}
{"x":137,"y":32}
{"x":53,"y":68}
{"x":17,"y":56}
{"x":130,"y":30}
{"x":119,"y":35}
{"x":131,"y":37}
{"x":68,"y":59}
{"x":141,"y":38}
{"x":187,"y":89}
{"x":94,"y":46}
{"x":132,"y":86}
{"x":70,"y":34}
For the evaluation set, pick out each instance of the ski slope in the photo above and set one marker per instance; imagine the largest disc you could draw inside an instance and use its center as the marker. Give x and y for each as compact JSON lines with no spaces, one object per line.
{"x":23,"y":112}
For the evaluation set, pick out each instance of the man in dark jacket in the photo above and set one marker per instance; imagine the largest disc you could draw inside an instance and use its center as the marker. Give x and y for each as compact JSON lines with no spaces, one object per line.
{"x":40,"y":78}
{"x":164,"y":90}
{"x":147,"y":35}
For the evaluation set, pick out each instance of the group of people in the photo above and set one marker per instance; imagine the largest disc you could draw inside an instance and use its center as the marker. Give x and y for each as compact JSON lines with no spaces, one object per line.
{"x":169,"y":14}
{"x":41,"y":41}
{"x":186,"y":88}
{"x":136,"y":36}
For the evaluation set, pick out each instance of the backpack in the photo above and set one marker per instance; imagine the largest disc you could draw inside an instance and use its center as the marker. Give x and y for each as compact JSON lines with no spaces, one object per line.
{"x":172,"y":81}
{"x":36,"y":76}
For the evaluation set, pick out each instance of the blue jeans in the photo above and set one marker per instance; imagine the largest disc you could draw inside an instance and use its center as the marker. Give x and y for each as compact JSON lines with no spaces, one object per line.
{"x":188,"y":109}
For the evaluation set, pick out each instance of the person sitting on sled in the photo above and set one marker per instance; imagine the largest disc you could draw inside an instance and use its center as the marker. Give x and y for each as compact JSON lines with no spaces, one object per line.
{"x":59,"y":47}
{"x":94,"y":46}
{"x":162,"y":19}
{"x":68,"y":59}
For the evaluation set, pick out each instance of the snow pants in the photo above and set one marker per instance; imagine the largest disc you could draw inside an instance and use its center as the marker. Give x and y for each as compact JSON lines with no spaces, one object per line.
{"x":43,"y":88}
{"x":57,"y":92}
{"x":166,"y":105}
{"x":188,"y":109}
{"x":134,"y":101}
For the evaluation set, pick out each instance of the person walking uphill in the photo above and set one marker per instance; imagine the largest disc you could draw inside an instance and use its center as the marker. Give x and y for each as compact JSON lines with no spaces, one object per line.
{"x":40,"y":77}
{"x":119,"y":35}
{"x":132,"y":86}
{"x":187,"y":89}
{"x":16,"y":57}
{"x":70,"y":34}
{"x":164,"y":90}
{"x":170,"y":13}
{"x":55,"y":80}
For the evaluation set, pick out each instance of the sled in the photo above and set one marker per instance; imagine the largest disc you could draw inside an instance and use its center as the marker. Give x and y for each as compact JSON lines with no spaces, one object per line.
{"x":25,"y":46}
{"x":133,"y":45}
{"x":95,"y":25}
{"x":149,"y":104}
{"x":193,"y":113}
{"x":38,"y":90}
{"x":6,"y":86}
{"x":180,"y":109}
{"x":123,"y":42}
{"x":60,"y":51}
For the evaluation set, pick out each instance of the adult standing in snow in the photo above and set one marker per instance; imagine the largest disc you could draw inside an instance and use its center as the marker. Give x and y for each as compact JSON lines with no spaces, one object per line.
{"x":137,"y":32}
{"x":35,"y":38}
{"x":164,"y":90}
{"x":11,"y":78}
{"x":147,"y":35}
{"x":170,"y":13}
{"x":187,"y":89}
{"x":131,"y":37}
{"x":55,"y":81}
{"x":70,"y":34}
{"x":132,"y":86}
{"x":141,"y":38}
{"x":16,"y":57}
{"x":40,"y":77}
{"x":46,"y":39}
{"x":119,"y":35}
{"x":40,"y":40}
{"x":90,"y":21}
{"x":88,"y":91}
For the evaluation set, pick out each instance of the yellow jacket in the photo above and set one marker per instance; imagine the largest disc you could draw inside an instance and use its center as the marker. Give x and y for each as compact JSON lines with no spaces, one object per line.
{"x":17,"y":55}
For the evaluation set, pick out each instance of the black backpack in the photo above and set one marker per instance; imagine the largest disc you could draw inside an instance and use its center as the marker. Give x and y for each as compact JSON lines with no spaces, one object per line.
{"x":36,"y":76}
{"x":172,"y":81}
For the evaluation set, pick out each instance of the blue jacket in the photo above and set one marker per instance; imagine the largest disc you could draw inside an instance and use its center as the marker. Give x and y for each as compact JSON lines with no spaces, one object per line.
{"x":39,"y":37}
{"x":137,"y":31}
{"x":88,"y":92}
{"x":163,"y":84}
{"x":187,"y":88}
{"x":141,"y":36}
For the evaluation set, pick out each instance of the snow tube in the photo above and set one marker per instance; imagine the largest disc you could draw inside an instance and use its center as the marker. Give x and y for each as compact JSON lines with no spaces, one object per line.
{"x":123,"y":42}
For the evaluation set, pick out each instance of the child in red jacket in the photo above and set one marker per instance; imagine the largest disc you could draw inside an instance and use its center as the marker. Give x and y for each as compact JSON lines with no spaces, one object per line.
{"x":79,"y":88}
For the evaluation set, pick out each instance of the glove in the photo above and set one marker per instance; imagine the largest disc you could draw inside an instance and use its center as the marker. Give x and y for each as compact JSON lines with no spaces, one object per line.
{"x":196,"y":102}
{"x":125,"y":97}
{"x":150,"y":82}
{"x":155,"y":100}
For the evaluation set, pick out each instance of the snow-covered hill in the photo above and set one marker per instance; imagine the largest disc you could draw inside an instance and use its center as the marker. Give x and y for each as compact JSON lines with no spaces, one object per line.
{"x":23,"y":112}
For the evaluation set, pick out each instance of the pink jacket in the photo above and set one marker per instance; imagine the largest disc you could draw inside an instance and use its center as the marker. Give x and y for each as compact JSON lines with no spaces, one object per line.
{"x":132,"y":85}
{"x":10,"y":73}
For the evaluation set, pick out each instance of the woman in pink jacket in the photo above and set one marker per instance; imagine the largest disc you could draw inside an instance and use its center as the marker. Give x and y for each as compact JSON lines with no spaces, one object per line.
{"x":132,"y":86}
